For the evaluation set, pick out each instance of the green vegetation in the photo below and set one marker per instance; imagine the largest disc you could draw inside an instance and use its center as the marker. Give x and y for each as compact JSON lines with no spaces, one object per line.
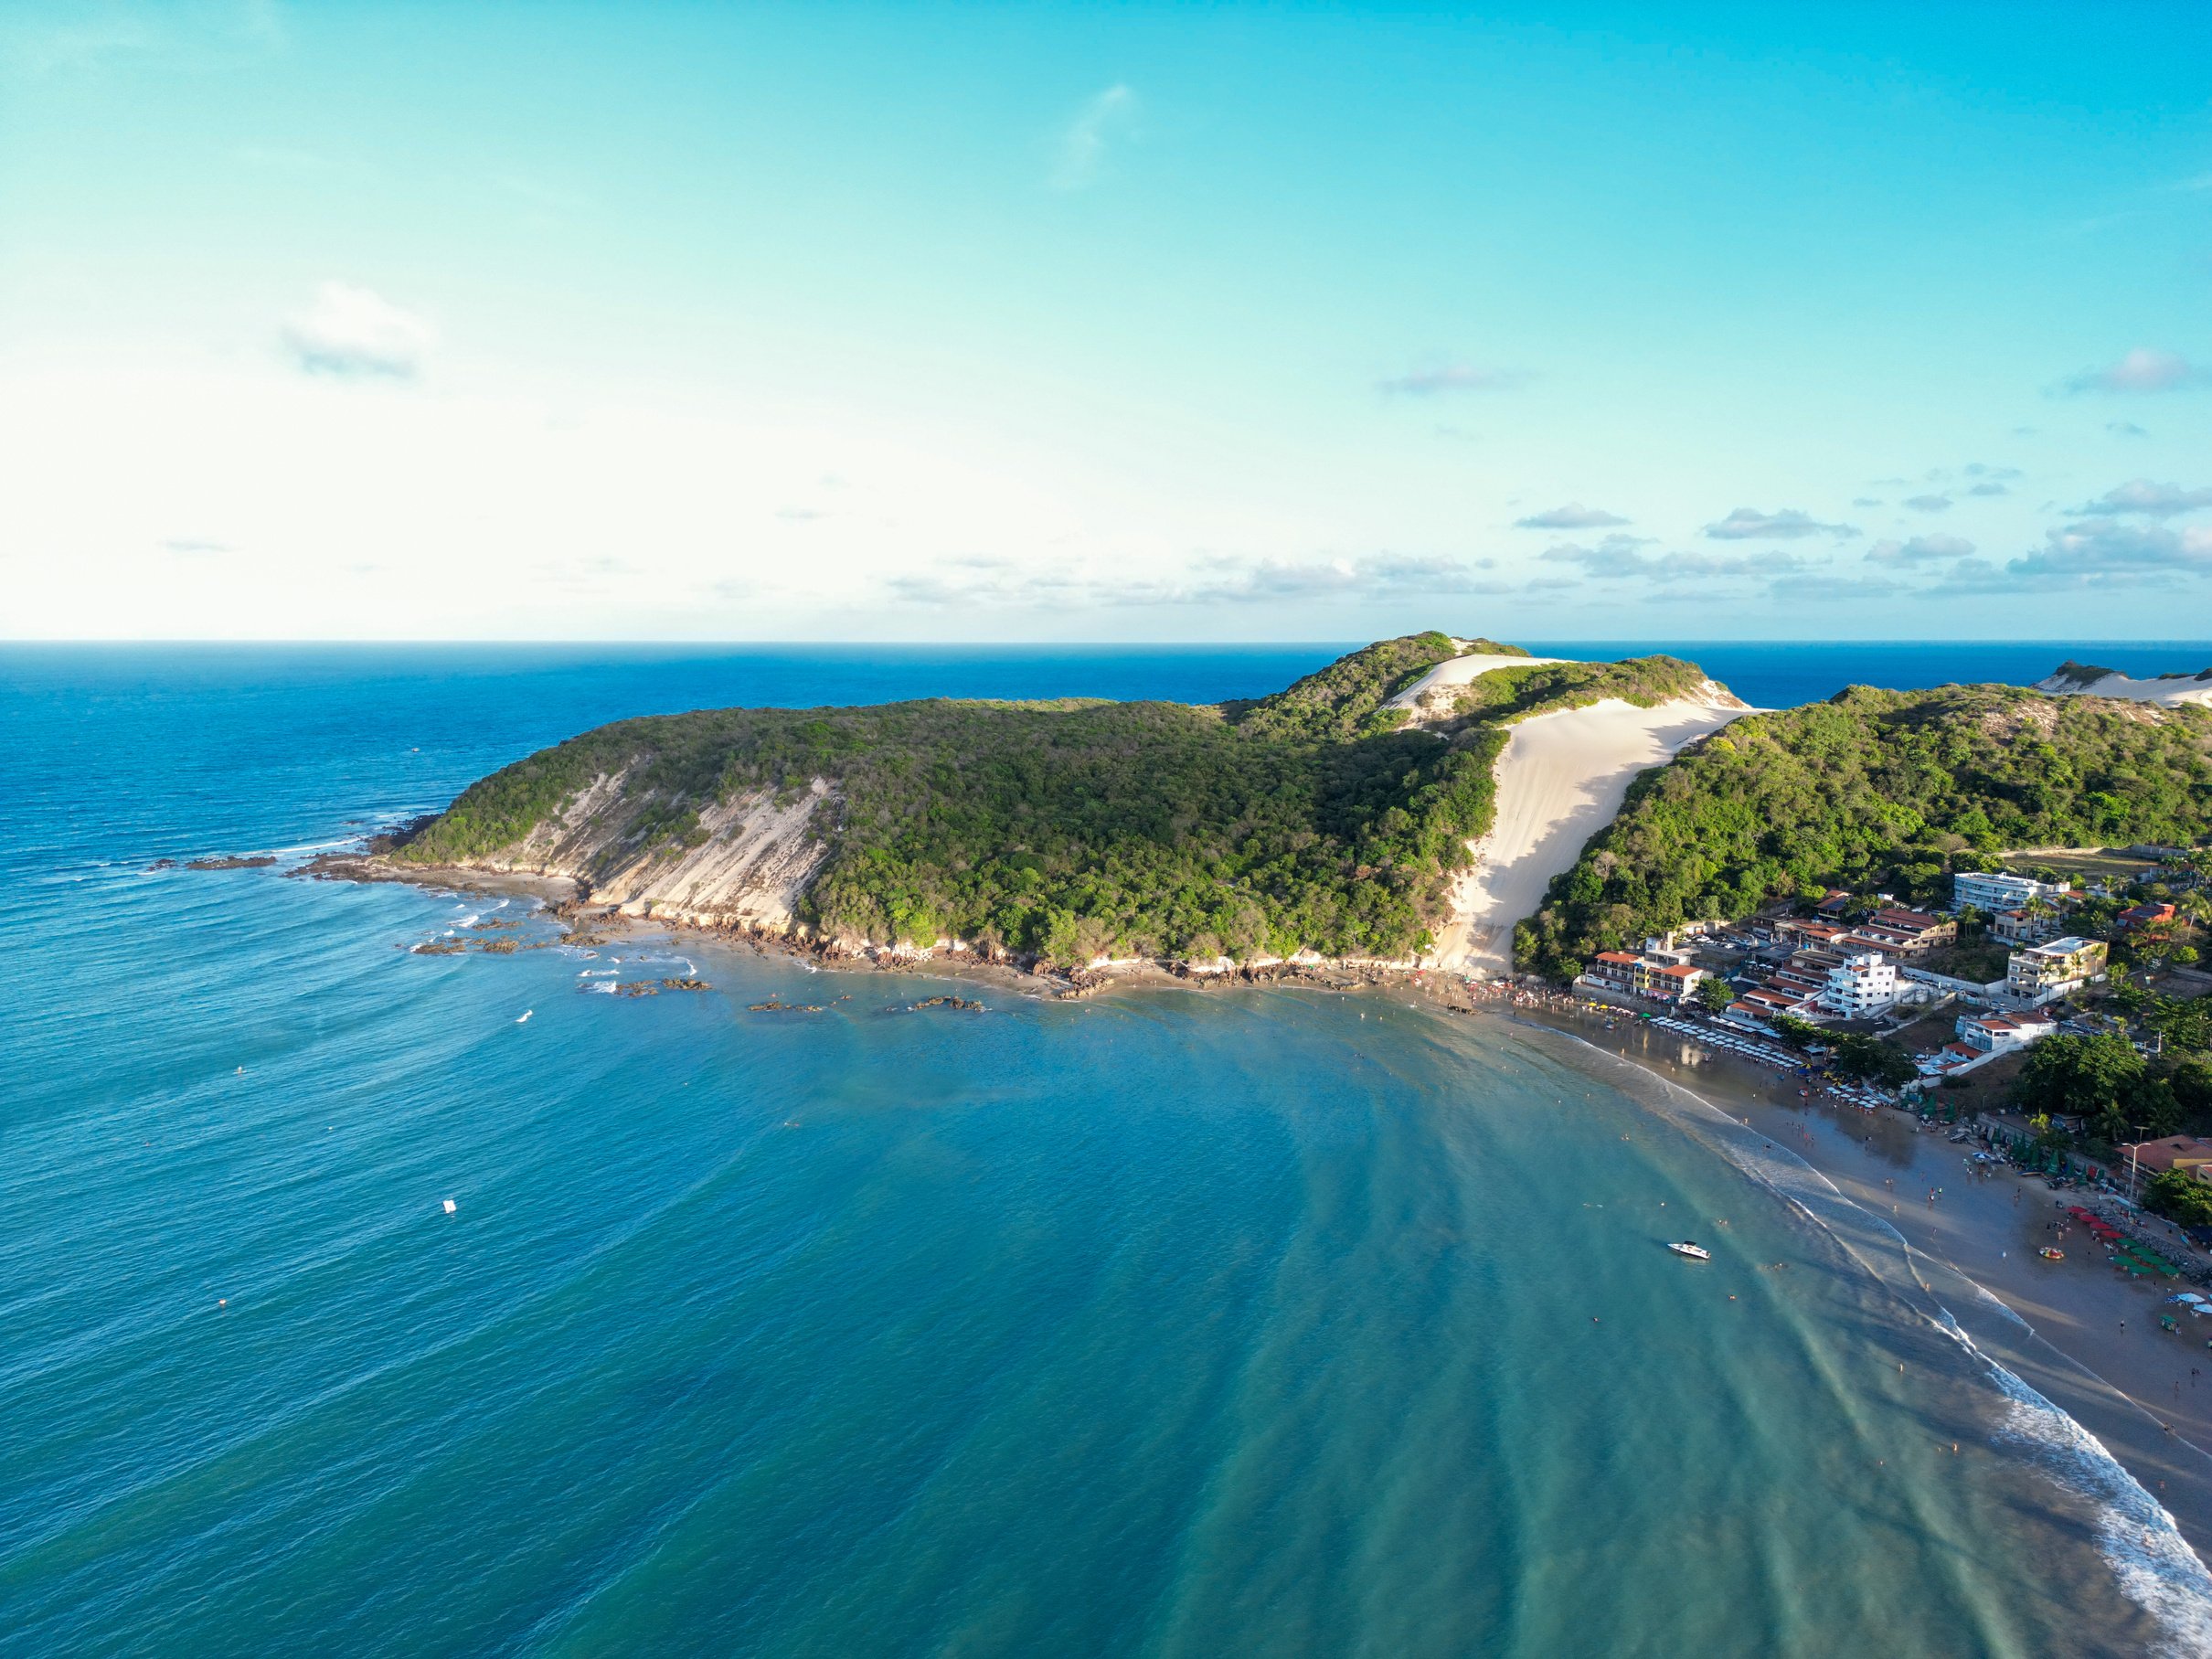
{"x":1058,"y":829}
{"x":1980,"y":961}
{"x":1714,"y":994}
{"x":1800,"y":1033}
{"x":1872,"y":1060}
{"x":2081,"y":674}
{"x":1508,"y":693}
{"x":2100,"y":1080}
{"x":2179,"y":1196}
{"x":1344,"y":700}
{"x":1873,"y":790}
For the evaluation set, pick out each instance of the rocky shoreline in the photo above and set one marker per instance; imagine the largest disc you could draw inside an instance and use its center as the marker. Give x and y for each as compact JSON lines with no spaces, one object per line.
{"x":591,"y":923}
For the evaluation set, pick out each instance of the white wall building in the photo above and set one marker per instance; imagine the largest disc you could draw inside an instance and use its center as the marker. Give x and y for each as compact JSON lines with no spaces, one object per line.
{"x":1861,"y":986}
{"x":1998,"y":891}
{"x":1995,"y":1033}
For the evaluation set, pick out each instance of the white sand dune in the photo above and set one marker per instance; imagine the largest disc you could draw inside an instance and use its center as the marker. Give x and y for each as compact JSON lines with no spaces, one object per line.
{"x":1457,"y":672}
{"x":2169,"y":692}
{"x":1560,"y":781}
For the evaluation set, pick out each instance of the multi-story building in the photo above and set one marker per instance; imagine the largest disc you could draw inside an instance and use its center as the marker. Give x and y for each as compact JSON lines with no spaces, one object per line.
{"x":1910,"y":931}
{"x":1661,"y":978}
{"x":1995,"y":890}
{"x":2023,"y":926}
{"x":1860,"y":986}
{"x":1995,"y":1033}
{"x":2042,"y":972}
{"x":1613,"y":970}
{"x":1667,"y":981}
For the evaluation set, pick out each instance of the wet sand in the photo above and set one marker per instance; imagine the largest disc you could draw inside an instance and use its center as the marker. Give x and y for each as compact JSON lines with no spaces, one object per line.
{"x":2145,"y":1393}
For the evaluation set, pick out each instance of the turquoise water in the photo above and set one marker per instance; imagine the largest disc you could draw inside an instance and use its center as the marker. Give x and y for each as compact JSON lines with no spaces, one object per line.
{"x":1269,"y":1323}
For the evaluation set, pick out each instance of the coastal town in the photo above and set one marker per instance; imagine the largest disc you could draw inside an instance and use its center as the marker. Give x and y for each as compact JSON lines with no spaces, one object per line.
{"x":2051,"y":1019}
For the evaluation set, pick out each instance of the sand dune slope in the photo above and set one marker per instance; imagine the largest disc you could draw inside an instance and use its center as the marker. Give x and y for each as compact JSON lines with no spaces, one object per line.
{"x":1561,"y":781}
{"x":1428,"y":697}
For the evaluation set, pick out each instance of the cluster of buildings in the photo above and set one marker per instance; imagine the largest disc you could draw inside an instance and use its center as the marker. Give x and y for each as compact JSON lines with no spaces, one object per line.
{"x":1836,"y":970}
{"x":1660,"y":973}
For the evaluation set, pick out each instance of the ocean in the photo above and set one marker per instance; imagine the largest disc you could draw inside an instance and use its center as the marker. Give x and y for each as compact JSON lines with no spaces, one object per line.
{"x":1269,"y":1322}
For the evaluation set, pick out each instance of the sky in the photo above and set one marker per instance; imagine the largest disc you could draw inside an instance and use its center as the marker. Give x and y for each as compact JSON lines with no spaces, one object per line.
{"x":694,"y":322}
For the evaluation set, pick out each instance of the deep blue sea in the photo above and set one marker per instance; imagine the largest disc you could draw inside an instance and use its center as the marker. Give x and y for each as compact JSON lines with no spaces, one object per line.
{"x":1267,"y":1323}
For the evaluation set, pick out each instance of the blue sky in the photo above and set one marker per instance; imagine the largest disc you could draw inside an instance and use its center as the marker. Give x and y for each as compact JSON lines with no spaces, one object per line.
{"x":696,"y":321}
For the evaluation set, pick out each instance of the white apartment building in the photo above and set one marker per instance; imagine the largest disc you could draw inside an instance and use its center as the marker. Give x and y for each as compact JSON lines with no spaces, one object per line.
{"x":1860,"y":986}
{"x":1998,"y":891}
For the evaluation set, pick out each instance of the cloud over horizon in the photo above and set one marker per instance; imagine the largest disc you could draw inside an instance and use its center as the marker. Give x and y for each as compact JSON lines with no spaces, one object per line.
{"x":1619,"y":558}
{"x":355,"y":333}
{"x":1369,"y":579}
{"x":2105,"y":551}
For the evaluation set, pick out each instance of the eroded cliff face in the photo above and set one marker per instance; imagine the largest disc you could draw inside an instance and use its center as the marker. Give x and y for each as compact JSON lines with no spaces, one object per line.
{"x":750,"y":870}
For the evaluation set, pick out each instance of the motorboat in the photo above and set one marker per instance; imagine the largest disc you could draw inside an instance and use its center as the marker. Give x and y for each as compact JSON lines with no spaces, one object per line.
{"x":1696,"y":1252}
{"x":2051,"y":1253}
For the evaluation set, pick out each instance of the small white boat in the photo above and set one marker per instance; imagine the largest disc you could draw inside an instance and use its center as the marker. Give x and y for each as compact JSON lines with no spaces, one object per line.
{"x":1696,"y":1252}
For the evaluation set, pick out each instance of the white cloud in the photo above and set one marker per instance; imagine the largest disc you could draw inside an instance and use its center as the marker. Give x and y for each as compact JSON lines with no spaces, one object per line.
{"x":1371,"y":579}
{"x":1929,"y":504}
{"x":355,"y":334}
{"x":2094,"y":554}
{"x":1619,"y":558}
{"x":2142,"y":495}
{"x":1574,"y":515}
{"x":1749,"y":523}
{"x":2142,"y":370}
{"x":1921,"y":549}
{"x":1083,"y":145}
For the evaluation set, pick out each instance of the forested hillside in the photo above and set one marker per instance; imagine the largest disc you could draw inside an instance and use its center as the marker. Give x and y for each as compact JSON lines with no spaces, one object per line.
{"x":1873,"y":789}
{"x":1055,"y":829}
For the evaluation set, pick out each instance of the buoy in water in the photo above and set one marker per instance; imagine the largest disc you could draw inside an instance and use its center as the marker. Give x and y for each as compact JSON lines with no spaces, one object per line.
{"x":450,"y":1206}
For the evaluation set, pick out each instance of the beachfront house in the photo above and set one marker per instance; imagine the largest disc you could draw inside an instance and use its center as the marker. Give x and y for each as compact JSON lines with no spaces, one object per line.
{"x":2040,"y":973}
{"x":2148,"y":1158}
{"x":1998,"y":1033}
{"x":1658,"y":978}
{"x":1860,"y":986}
{"x":1667,"y":981}
{"x":1994,"y":890}
{"x":1613,"y":970}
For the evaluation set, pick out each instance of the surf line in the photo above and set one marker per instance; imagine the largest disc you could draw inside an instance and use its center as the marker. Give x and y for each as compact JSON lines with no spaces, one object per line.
{"x":2140,"y":1540}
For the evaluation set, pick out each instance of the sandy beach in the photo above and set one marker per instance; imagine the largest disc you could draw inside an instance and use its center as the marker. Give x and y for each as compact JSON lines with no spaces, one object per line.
{"x":2086,"y":1338}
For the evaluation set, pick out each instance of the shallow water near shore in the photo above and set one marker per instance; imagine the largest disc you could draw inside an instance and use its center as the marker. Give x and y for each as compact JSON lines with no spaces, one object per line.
{"x":1166,"y":1323}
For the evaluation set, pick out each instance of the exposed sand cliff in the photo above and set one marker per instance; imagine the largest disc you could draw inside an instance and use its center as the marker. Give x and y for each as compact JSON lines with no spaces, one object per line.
{"x":749,"y":871}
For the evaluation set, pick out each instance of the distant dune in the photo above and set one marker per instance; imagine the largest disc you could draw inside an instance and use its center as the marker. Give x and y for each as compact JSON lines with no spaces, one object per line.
{"x":2076,"y":679}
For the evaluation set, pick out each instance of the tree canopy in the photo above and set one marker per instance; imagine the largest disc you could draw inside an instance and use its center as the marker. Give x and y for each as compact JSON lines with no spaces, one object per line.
{"x":1873,"y":790}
